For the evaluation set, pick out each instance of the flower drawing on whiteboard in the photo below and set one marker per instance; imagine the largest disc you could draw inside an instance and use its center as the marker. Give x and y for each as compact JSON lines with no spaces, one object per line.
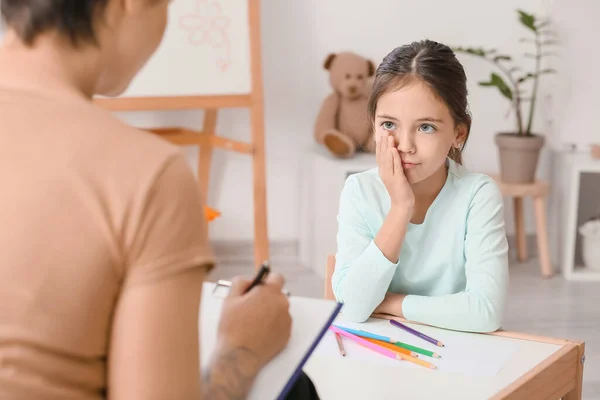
{"x":208,"y":26}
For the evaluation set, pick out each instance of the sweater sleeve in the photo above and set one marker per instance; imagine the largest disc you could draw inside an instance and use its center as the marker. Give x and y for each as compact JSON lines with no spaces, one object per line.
{"x":362,"y":273}
{"x":480,"y":306}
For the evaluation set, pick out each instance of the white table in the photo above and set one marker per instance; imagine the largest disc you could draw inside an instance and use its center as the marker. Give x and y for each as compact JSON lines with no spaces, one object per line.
{"x":543,"y":368}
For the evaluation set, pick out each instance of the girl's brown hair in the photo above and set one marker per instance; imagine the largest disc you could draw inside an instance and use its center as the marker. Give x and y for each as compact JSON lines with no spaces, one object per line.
{"x":436,"y":65}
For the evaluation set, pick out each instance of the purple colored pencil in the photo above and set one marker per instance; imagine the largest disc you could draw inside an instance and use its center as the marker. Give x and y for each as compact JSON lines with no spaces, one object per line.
{"x":417,"y":333}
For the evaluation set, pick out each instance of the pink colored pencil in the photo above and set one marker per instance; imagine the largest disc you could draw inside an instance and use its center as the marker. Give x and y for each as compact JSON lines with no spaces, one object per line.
{"x":381,"y":350}
{"x":367,"y":344}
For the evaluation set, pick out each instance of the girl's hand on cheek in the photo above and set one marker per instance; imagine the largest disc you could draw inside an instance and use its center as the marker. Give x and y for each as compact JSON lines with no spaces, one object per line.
{"x":391,"y":172}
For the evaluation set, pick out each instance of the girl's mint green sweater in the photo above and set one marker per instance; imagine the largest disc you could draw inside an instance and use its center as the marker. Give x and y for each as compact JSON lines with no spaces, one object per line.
{"x":453,"y":266}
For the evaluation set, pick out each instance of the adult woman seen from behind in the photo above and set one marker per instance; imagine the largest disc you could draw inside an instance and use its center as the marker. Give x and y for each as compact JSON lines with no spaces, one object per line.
{"x":103,"y":247}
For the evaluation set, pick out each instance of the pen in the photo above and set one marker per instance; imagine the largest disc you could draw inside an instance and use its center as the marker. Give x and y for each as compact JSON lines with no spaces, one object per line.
{"x":261,"y":275}
{"x":227,"y":284}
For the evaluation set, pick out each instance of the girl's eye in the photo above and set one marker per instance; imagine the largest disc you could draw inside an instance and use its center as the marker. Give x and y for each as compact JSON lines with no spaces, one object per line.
{"x":388,"y":126}
{"x":426,"y":128}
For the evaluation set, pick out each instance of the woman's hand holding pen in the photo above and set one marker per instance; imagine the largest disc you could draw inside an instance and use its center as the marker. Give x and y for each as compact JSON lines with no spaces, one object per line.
{"x":257,"y":322}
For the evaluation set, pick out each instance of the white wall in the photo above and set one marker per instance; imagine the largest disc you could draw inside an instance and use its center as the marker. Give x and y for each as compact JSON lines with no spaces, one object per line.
{"x":297,"y":36}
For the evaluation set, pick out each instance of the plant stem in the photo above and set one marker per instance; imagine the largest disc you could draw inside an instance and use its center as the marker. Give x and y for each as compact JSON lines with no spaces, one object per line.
{"x":516,"y":95}
{"x":538,"y":58}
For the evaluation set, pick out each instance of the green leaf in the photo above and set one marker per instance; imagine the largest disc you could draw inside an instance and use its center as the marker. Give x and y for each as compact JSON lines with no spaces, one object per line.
{"x":528,"y":20}
{"x":533,"y":75}
{"x":502,"y":58}
{"x":497,"y":81}
{"x":470,"y":50}
{"x":526,"y":77}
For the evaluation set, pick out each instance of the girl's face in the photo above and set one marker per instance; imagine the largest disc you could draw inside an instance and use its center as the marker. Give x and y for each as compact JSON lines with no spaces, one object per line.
{"x":422,"y":127}
{"x":135,"y":30}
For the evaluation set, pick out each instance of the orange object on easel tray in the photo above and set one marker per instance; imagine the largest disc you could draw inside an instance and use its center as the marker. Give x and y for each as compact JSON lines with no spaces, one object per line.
{"x":211,"y":214}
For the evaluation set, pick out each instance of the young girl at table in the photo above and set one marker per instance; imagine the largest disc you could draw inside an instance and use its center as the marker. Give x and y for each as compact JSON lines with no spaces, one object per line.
{"x":420,"y":237}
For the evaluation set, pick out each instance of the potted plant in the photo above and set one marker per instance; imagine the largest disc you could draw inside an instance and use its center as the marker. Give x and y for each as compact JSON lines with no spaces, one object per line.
{"x":519,"y":150}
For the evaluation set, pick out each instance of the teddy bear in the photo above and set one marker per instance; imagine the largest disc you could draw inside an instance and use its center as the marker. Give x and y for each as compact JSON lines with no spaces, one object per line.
{"x":342,"y":124}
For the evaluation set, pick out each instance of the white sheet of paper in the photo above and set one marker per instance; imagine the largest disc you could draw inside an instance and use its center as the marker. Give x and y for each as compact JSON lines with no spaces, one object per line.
{"x":309,"y":318}
{"x":467,"y":354}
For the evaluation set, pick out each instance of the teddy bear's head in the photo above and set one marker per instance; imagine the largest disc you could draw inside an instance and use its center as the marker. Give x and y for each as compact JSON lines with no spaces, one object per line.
{"x":349,"y":73}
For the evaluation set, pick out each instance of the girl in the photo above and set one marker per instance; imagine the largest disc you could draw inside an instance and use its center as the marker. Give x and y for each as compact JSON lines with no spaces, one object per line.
{"x":419,"y":236}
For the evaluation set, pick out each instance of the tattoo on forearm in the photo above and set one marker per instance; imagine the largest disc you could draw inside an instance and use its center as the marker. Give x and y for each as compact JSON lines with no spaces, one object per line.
{"x":231,"y":374}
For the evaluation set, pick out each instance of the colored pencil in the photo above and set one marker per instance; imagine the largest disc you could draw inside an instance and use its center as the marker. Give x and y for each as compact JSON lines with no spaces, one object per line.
{"x":369,"y":335}
{"x":340,"y":344}
{"x":365,"y":343}
{"x":407,"y":358}
{"x":416,"y":333}
{"x":380,"y":349}
{"x":416,"y":349}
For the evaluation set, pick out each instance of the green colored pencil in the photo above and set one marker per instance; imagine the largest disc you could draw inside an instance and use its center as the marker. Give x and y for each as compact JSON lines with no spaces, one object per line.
{"x":387,"y":339}
{"x":417,"y":349}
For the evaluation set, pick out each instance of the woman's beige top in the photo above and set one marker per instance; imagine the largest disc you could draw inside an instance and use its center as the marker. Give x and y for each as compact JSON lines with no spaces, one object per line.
{"x":91,"y":210}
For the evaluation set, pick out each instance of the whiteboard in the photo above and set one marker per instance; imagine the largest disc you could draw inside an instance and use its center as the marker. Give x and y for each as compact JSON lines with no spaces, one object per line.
{"x":205,"y":51}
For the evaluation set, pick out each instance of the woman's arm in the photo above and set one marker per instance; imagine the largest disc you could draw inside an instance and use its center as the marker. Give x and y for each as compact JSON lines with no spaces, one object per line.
{"x":154,"y":352}
{"x":364,"y":268}
{"x":480,"y":306}
{"x":154,"y":342}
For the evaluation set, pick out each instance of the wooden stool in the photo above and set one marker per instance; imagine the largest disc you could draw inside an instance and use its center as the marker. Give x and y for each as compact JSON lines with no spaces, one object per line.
{"x":538,"y":191}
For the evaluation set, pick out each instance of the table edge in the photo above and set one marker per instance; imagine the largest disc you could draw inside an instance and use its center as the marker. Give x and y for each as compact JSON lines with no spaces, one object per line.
{"x":564,"y":361}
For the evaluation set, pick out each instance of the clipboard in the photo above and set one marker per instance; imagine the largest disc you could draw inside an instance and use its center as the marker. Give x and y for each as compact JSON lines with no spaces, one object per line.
{"x":311,"y":318}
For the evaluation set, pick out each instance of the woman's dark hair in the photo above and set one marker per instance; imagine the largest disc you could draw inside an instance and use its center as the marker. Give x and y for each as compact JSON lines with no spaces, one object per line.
{"x":436,"y":65}
{"x":73,"y":19}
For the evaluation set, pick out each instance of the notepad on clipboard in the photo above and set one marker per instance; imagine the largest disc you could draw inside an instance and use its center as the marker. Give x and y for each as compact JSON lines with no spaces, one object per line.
{"x":310,"y":320}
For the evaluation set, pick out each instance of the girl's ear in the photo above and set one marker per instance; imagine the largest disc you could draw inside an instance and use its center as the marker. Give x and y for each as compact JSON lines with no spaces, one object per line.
{"x":461,"y":136}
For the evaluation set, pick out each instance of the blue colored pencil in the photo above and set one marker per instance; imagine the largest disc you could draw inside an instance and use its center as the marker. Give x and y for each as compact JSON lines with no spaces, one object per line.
{"x":369,"y":335}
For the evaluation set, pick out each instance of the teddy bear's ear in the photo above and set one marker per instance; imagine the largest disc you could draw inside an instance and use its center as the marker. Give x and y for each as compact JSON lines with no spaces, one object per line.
{"x":329,"y":60}
{"x":371,"y":68}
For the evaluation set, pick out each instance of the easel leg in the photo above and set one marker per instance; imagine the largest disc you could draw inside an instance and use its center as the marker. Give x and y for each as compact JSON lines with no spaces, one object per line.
{"x":261,"y":244}
{"x":576,"y":393}
{"x":205,"y":153}
{"x":520,"y":229}
{"x":542,"y":236}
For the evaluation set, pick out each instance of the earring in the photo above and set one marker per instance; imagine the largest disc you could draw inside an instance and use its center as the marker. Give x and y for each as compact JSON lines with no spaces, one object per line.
{"x":458,"y":146}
